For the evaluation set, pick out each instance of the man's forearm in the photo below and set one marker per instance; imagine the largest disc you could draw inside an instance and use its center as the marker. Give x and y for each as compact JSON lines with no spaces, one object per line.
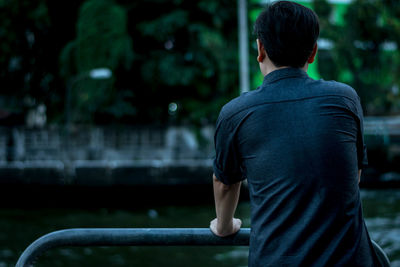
{"x":226,"y":200}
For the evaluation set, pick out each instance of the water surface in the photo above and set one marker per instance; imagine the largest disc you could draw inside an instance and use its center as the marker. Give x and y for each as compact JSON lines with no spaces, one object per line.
{"x":20,"y":227}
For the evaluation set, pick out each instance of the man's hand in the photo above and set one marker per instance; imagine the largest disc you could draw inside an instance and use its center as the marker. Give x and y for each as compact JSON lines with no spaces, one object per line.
{"x":225,"y":230}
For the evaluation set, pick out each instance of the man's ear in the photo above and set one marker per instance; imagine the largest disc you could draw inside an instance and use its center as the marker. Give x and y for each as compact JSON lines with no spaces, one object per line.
{"x":261,"y":51}
{"x":313,"y":53}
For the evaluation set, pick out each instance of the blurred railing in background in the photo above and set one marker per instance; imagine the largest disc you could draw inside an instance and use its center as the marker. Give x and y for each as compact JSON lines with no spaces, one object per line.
{"x":105,"y":143}
{"x":126,"y":155}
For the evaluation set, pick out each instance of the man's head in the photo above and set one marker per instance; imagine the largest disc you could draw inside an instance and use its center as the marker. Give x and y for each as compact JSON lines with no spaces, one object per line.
{"x":288,"y":34}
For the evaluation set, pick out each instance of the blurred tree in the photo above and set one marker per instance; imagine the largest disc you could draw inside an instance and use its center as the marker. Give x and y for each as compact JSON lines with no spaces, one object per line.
{"x":102,"y":42}
{"x":390,"y":11}
{"x":183,"y":52}
{"x":364,"y":52}
{"x":328,"y":67}
{"x":186,"y":54}
{"x":25,"y":79}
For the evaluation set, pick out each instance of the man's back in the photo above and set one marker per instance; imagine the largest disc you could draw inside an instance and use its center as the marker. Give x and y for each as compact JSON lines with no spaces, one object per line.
{"x":299,"y":144}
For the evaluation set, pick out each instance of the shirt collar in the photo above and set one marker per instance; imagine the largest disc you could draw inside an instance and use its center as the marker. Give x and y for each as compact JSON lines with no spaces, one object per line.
{"x":283,"y":74}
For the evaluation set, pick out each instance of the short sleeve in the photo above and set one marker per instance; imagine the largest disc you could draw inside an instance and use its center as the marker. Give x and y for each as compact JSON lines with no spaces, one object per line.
{"x":227,"y":159}
{"x":361,"y":147}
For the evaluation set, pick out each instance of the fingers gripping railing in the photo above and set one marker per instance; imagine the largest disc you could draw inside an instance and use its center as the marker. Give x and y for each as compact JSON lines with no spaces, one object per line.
{"x":140,"y":237}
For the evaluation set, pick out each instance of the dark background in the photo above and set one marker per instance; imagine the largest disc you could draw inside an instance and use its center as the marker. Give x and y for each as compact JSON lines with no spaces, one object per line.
{"x":163,"y":52}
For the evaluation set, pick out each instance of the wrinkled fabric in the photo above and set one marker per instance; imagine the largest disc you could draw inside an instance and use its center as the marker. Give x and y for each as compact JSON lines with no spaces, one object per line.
{"x":299,"y":143}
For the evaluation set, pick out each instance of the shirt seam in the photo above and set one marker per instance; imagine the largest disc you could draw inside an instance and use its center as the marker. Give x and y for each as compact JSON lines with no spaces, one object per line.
{"x":274,"y":80}
{"x":285,"y":101}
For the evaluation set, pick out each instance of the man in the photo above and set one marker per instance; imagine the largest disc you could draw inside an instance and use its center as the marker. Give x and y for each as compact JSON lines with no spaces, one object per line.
{"x":299,"y":143}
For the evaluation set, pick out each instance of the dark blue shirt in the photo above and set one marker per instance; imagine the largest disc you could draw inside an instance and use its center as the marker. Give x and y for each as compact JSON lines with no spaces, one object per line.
{"x":299,"y":143}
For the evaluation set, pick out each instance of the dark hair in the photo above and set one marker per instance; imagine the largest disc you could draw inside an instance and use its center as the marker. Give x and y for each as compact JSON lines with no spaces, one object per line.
{"x":288,"y":32}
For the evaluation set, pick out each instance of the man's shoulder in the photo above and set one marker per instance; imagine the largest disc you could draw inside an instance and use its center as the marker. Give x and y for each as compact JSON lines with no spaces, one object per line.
{"x":336,"y":88}
{"x":238,"y":104}
{"x":311,"y":88}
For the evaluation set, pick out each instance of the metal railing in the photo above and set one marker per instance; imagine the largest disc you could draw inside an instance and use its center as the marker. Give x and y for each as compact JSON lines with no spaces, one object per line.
{"x":140,"y":237}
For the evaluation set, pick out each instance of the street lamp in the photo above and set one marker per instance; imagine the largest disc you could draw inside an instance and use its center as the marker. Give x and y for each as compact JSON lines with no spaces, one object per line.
{"x":101,"y":73}
{"x":243,"y":46}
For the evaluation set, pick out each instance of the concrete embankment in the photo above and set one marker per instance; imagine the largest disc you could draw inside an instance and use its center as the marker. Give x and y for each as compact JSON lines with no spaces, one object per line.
{"x":106,"y":173}
{"x":85,"y":173}
{"x":88,"y":173}
{"x":105,"y":183}
{"x":122,"y":183}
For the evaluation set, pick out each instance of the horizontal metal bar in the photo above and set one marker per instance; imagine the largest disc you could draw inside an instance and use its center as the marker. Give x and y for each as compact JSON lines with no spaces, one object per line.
{"x":382,"y":257}
{"x":141,"y":237}
{"x":129,"y":237}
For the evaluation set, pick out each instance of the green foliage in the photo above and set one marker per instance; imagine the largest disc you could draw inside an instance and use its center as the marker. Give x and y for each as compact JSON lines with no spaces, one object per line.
{"x":102,"y":42}
{"x":182,"y":51}
{"x":102,"y":39}
{"x":363,"y":53}
{"x":165,"y":26}
{"x":190,"y":58}
{"x":23,"y":28}
{"x":185,"y":52}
